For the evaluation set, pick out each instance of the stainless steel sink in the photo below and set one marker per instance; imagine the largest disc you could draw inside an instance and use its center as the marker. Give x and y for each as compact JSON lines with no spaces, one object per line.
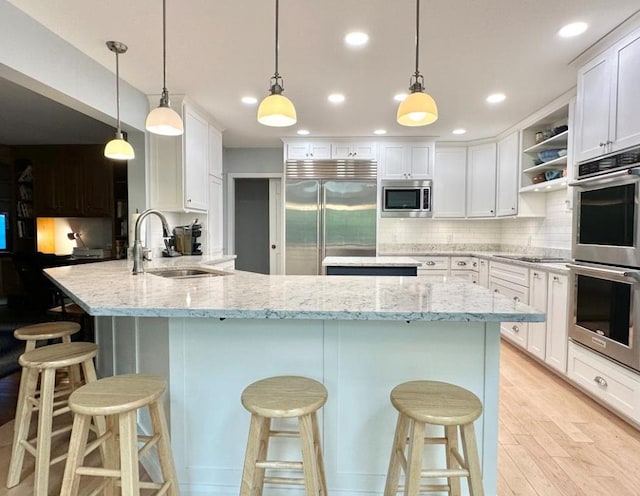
{"x":184,"y":273}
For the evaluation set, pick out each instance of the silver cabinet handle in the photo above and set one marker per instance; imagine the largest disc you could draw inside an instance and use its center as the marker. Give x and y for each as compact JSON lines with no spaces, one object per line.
{"x":515,"y":328}
{"x":462,"y":264}
{"x":516,"y":299}
{"x":600,"y":381}
{"x":535,"y":274}
{"x":475,"y":264}
{"x":430,"y":263}
{"x":555,"y":279}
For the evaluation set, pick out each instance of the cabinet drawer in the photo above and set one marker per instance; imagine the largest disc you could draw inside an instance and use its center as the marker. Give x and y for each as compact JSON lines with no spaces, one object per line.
{"x":462,"y":263}
{"x":516,"y":332}
{"x":433,"y":263}
{"x":512,"y":273}
{"x":434,"y":275}
{"x":611,"y":383}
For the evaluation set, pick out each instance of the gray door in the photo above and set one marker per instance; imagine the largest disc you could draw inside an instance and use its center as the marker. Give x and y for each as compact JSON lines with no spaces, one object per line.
{"x":349,"y":218}
{"x":302,"y":228}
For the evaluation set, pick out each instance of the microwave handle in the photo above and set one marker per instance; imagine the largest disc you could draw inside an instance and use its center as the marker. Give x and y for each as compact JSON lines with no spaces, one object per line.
{"x":621,"y":275}
{"x":605,"y":178}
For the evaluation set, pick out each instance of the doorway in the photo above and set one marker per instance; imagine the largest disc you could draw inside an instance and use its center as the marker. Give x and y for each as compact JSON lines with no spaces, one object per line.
{"x":255,"y":222}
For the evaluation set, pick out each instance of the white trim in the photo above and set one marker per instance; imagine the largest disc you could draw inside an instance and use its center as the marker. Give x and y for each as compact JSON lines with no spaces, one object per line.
{"x":231,"y":200}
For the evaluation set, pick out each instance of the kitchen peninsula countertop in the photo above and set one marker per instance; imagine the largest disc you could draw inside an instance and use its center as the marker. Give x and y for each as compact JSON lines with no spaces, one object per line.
{"x":109,"y":289}
{"x":383,"y":261}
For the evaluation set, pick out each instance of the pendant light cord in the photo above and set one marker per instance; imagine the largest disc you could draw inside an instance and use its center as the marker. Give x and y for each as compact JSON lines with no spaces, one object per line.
{"x":277,"y":11}
{"x":164,"y":46}
{"x":118,"y":131}
{"x":417,"y":34}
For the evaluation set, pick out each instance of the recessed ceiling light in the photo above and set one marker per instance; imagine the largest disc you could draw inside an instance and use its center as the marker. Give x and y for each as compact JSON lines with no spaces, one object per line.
{"x":459,"y":131}
{"x":496,"y":98}
{"x":380,"y":131}
{"x":249,"y":100}
{"x":303,"y":132}
{"x":356,"y":39}
{"x":573,"y":29}
{"x":400,"y":96}
{"x":336,"y":98}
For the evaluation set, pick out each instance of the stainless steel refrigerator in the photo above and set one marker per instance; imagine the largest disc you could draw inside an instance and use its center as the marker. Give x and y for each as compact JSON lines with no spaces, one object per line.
{"x":330,"y":211}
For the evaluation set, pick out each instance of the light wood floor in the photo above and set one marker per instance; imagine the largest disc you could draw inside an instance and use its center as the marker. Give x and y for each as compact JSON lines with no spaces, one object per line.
{"x":553,"y":440}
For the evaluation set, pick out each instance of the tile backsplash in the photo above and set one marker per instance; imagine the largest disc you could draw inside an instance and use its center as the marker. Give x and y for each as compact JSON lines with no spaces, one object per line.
{"x":532,"y":235}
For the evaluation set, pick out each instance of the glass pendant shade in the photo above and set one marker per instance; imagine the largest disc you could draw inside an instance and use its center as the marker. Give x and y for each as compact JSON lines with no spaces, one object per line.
{"x":119,"y":149}
{"x":277,"y":111}
{"x":164,"y":121}
{"x":418,"y":109}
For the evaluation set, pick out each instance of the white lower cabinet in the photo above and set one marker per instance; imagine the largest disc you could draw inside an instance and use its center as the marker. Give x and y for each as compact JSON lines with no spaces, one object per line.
{"x":605,"y":380}
{"x":462,"y":268}
{"x":483,"y":272}
{"x":513,"y":331}
{"x":436,"y":268}
{"x":557,"y":322}
{"x":537,"y":334}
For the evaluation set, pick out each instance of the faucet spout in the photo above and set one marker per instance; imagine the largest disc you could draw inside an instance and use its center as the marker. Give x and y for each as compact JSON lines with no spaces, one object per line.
{"x":138,"y":266}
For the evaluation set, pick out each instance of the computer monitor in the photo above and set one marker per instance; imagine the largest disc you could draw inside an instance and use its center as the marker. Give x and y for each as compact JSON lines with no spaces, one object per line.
{"x":4,"y":227}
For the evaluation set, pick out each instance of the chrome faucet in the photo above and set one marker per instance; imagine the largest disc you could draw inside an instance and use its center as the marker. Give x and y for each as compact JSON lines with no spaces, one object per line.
{"x":138,"y":268}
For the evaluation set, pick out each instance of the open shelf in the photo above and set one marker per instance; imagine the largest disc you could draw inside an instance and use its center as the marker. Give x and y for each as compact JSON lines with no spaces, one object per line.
{"x":558,"y":163}
{"x":557,"y":141}
{"x":546,"y":186}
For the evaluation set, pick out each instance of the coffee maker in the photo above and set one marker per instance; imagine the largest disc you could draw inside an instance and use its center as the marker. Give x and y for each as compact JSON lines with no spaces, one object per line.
{"x":186,"y":238}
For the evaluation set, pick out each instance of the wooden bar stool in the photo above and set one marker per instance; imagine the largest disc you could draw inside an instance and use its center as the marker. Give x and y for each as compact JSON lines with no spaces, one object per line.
{"x":283,"y":397}
{"x":43,"y":363}
{"x":45,"y":331}
{"x":118,"y":398}
{"x":435,"y":403}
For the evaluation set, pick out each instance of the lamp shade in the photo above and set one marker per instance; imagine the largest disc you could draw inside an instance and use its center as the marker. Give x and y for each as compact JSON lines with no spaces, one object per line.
{"x":418,"y":109}
{"x":277,"y":111}
{"x":119,"y":149}
{"x":164,"y":121}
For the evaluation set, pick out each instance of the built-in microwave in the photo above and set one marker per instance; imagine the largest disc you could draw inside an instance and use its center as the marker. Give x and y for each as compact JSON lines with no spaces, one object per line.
{"x":406,"y":198}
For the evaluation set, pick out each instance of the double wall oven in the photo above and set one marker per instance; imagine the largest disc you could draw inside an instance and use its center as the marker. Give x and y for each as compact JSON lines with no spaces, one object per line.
{"x":606,"y":251}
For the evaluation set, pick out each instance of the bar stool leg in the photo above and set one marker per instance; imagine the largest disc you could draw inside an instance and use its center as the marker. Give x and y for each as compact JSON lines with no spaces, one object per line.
{"x":79,"y":435}
{"x":470,"y":448}
{"x":24,"y":411}
{"x":159,"y":422}
{"x":397,"y":450}
{"x":109,"y":450}
{"x":43,"y":444}
{"x":129,"y":453}
{"x":451,"y":434}
{"x":318,"y":448}
{"x":414,"y":461}
{"x":309,"y":460}
{"x":253,"y":449}
{"x":265,"y":437}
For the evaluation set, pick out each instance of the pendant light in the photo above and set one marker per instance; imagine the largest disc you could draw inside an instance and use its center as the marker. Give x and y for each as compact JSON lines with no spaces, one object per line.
{"x":118,"y":148}
{"x":419,"y":108}
{"x":163,"y":119}
{"x":276,"y":110}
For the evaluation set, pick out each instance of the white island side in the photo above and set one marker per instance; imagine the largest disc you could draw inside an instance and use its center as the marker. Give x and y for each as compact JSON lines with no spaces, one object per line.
{"x":360,"y":336}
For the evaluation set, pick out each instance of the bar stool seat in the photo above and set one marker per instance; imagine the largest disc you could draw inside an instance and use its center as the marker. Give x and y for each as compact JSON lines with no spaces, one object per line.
{"x":278,"y":398}
{"x":119,"y":398}
{"x":43,"y":363}
{"x":435,"y":403}
{"x":45,"y":331}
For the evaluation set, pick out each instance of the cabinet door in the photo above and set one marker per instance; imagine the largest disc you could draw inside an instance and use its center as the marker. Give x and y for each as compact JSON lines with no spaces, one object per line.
{"x":45,"y":197}
{"x":593,"y":108}
{"x":419,"y":160}
{"x":297,"y":151}
{"x":537,"y":332}
{"x":341,"y":150}
{"x":364,"y":150}
{"x":481,"y":180}
{"x":483,"y":273}
{"x":393,"y":161}
{"x":507,"y":172}
{"x":196,"y":167}
{"x":449,"y":183}
{"x":515,"y":332}
{"x":215,"y":218}
{"x":557,"y":322}
{"x":625,"y":124}
{"x":320,"y":150}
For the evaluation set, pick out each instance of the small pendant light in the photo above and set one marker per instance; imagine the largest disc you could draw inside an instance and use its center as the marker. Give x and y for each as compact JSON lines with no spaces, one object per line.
{"x":419,"y":108}
{"x":118,"y":148}
{"x":163,"y":119}
{"x":276,"y":110}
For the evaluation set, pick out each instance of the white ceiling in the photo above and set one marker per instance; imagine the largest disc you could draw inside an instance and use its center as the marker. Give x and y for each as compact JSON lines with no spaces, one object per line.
{"x":219,"y":51}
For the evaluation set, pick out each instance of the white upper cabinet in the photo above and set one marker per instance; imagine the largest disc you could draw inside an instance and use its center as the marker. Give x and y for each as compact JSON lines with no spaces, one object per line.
{"x":215,"y":152}
{"x":406,"y":160}
{"x":308,"y":150}
{"x":507,"y":171}
{"x":481,"y":180}
{"x":354,"y":150}
{"x":449,"y":182}
{"x":608,"y":101}
{"x":179,"y":165}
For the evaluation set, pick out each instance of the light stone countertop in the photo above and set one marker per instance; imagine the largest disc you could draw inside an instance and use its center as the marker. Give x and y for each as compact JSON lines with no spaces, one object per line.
{"x":109,"y":289}
{"x":385,"y":261}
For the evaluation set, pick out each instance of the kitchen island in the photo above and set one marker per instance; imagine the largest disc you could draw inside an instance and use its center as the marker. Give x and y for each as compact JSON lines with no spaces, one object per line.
{"x":360,"y":336}
{"x":370,"y":266}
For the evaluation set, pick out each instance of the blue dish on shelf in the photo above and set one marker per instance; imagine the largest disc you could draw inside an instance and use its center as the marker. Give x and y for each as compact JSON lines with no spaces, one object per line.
{"x":546,"y":155}
{"x":552,"y":174}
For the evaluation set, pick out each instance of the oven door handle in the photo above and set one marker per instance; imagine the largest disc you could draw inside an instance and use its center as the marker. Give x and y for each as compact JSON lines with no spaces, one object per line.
{"x":618,"y":275}
{"x":606,"y":178}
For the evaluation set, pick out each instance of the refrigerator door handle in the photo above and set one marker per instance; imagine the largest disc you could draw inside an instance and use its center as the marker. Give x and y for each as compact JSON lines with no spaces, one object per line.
{"x":322,"y":248}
